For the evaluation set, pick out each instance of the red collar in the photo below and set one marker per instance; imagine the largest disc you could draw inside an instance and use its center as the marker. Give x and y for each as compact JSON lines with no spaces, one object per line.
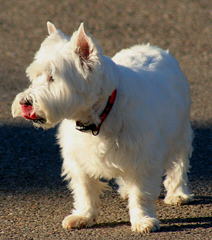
{"x":96,"y":128}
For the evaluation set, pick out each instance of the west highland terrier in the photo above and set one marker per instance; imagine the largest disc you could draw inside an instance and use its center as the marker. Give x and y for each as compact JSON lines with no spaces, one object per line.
{"x":125,"y":118}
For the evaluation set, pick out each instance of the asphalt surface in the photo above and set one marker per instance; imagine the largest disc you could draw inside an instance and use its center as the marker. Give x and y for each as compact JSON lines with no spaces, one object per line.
{"x":33,"y":197}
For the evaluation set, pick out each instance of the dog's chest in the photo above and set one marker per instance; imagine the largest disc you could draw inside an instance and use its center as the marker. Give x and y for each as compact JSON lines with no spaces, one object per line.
{"x":95,"y":155}
{"x":102,"y":158}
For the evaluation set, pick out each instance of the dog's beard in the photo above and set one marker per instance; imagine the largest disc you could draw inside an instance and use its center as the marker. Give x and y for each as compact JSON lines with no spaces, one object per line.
{"x":45,"y":109}
{"x":24,"y":106}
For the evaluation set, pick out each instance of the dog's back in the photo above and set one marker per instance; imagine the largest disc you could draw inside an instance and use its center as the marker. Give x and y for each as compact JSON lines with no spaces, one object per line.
{"x":152,"y":76}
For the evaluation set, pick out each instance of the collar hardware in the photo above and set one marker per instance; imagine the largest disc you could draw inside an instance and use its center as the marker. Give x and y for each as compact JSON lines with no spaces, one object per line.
{"x":93,"y":127}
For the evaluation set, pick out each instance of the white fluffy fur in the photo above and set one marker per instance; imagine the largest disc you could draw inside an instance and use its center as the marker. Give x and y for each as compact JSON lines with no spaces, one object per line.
{"x":146,"y":135}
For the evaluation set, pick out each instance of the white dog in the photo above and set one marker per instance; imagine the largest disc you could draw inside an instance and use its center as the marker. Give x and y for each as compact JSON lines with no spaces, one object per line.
{"x":125,"y":118}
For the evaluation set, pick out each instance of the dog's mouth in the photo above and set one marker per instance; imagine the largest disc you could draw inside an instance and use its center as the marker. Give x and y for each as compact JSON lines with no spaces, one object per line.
{"x":29,"y":113}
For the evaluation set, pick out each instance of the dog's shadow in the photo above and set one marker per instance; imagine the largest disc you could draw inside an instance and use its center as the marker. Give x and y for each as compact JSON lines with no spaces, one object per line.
{"x":111,"y":224}
{"x":182,"y":224}
{"x":197,"y":200}
{"x":168,"y":225}
{"x":173,"y":224}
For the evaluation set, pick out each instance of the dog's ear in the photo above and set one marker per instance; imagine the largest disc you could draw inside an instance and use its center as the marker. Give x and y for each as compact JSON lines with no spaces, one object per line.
{"x":85,"y":48}
{"x":51,"y":28}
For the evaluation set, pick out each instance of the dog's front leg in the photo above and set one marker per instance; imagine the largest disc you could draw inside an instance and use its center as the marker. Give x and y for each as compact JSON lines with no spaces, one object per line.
{"x":141,"y":210}
{"x":86,"y":193}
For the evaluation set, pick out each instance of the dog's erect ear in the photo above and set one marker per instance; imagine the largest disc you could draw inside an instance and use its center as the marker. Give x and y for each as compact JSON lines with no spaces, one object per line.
{"x":83,"y":43}
{"x":51,"y":28}
{"x":87,"y":50}
{"x":84,"y":47}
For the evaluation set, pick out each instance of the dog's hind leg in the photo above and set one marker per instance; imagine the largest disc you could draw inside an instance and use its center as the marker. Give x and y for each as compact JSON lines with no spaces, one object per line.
{"x":176,"y":182}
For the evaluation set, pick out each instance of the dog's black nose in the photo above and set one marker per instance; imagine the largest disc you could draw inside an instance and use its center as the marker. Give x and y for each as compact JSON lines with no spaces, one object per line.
{"x":25,"y":101}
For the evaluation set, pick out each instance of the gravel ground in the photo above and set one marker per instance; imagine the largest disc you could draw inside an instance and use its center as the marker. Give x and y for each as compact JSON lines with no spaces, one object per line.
{"x":33,"y":197}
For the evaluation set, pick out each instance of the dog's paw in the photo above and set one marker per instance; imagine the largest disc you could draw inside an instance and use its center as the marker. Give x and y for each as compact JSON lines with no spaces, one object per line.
{"x":146,"y":225}
{"x":77,"y":221}
{"x":178,"y":199}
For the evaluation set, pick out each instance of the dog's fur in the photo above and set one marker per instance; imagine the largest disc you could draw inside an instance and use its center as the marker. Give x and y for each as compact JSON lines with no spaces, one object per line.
{"x":147,"y":133}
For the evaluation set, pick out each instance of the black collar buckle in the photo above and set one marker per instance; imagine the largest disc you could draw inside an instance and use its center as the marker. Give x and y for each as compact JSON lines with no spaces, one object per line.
{"x":84,"y":128}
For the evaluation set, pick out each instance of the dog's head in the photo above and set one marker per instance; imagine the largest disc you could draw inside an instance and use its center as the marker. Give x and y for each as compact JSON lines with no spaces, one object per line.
{"x":66,"y":78}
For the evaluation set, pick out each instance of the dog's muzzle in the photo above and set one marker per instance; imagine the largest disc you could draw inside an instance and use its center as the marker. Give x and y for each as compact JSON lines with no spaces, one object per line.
{"x":28,"y":112}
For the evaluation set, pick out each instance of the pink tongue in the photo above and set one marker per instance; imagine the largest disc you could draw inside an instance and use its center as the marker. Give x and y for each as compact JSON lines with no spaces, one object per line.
{"x":27,"y":112}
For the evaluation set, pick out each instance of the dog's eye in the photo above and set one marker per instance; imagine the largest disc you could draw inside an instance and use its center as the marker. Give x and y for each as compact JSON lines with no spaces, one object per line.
{"x":50,"y":79}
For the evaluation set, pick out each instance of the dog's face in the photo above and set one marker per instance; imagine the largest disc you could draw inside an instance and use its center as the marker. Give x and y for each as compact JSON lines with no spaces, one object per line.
{"x":63,"y":74}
